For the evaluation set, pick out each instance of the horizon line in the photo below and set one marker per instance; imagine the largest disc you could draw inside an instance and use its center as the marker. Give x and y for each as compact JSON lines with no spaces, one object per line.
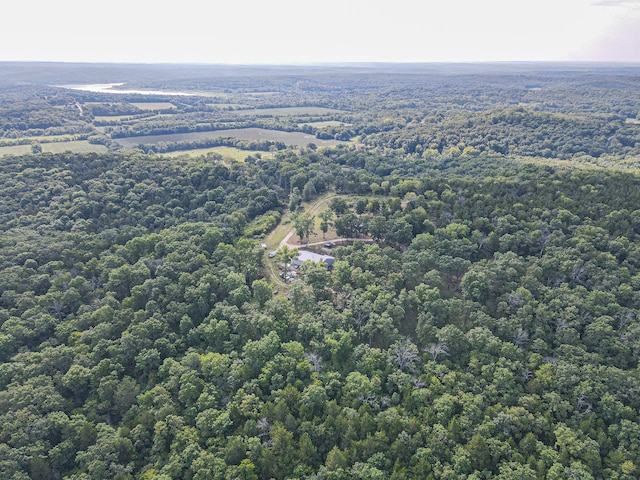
{"x":330,"y":63}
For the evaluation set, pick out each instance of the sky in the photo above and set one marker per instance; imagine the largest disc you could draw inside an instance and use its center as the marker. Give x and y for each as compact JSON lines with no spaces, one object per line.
{"x":327,"y":31}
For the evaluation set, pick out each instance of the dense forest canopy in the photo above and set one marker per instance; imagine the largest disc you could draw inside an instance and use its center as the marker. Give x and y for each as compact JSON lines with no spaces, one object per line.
{"x":484,"y":325}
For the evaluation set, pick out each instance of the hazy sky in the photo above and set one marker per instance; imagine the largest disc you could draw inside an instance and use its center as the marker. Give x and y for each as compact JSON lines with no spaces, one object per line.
{"x":298,"y":31}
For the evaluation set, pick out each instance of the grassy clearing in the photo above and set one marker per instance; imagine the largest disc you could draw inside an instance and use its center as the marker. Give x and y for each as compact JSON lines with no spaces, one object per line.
{"x":227,"y":152}
{"x":78,"y":146}
{"x":289,"y":111}
{"x":327,"y":123}
{"x":200,"y":93}
{"x":15,"y":150}
{"x":114,"y":118}
{"x":8,"y":142}
{"x":285,"y":227}
{"x":276,"y":236}
{"x":273,"y":239}
{"x":153,"y":105}
{"x":250,"y":134}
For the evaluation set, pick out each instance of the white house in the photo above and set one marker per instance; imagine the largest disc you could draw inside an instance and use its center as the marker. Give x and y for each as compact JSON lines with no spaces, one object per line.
{"x":305,"y":256}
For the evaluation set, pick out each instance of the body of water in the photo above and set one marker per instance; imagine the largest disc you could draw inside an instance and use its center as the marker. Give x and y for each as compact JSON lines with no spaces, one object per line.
{"x":109,"y":88}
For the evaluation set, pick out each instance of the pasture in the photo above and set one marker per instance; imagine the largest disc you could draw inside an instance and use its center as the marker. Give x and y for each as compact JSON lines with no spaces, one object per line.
{"x":153,"y":105}
{"x":8,"y":142}
{"x":77,"y":146}
{"x":119,"y":119}
{"x":250,"y":134}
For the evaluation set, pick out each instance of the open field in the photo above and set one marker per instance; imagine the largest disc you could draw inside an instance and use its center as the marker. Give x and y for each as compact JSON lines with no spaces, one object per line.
{"x":227,"y":105}
{"x":153,"y":105}
{"x":326,"y":123}
{"x":289,"y":111}
{"x":15,"y":150}
{"x":277,"y":236}
{"x":250,"y":134}
{"x":78,"y":146}
{"x":204,"y":93}
{"x":158,"y":115}
{"x":113,"y":118}
{"x":283,"y":233}
{"x":227,"y":152}
{"x":129,"y":118}
{"x":8,"y":142}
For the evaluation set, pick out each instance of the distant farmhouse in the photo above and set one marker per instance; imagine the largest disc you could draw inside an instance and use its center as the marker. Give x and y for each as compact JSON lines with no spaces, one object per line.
{"x":306,"y":256}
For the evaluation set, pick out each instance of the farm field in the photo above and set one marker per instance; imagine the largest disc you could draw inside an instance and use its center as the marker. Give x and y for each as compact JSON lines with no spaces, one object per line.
{"x":258,"y":134}
{"x":15,"y":150}
{"x":289,"y":111}
{"x":7,"y":142}
{"x":154,"y":105}
{"x":130,"y":117}
{"x":78,"y":146}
